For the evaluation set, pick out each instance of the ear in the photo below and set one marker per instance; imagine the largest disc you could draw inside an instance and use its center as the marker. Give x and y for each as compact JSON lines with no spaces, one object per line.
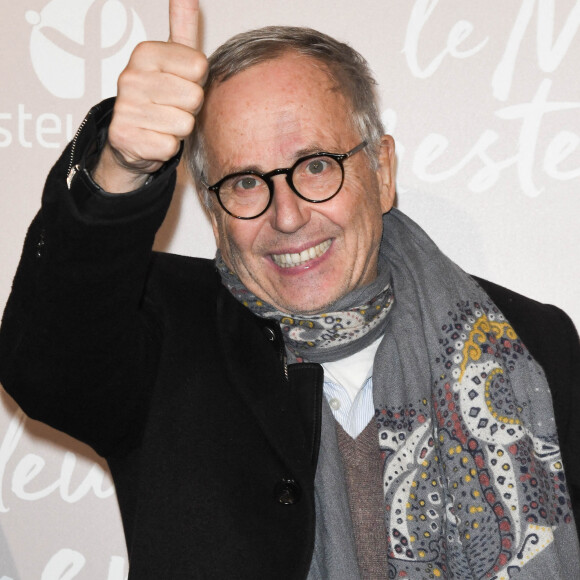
{"x":386,"y":172}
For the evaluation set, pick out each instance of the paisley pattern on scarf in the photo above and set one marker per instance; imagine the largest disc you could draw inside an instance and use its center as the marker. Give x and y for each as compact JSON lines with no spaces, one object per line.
{"x":470,"y":491}
{"x":328,"y":330}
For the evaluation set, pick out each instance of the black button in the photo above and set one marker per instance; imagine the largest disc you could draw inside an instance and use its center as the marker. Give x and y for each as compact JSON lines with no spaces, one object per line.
{"x":287,"y":491}
{"x":270,"y":334}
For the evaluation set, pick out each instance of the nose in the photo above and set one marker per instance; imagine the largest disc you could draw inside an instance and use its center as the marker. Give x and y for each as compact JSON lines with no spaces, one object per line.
{"x":288,"y":212}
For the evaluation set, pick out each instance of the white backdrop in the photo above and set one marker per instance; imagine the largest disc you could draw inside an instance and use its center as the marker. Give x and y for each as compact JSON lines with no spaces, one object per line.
{"x":482,"y":97}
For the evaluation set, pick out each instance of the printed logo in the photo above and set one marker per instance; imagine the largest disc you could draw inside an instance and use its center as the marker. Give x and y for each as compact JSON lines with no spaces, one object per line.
{"x":79,"y":47}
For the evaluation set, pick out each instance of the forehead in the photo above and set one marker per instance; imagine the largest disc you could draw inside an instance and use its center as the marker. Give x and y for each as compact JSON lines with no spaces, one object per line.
{"x":278,"y":107}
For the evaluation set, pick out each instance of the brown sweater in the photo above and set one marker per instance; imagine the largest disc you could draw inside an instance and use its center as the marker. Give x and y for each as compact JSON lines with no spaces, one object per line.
{"x":362,"y":466}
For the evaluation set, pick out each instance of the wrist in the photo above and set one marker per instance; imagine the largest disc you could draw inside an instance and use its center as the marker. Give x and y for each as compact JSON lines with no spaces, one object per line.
{"x":113,"y":177}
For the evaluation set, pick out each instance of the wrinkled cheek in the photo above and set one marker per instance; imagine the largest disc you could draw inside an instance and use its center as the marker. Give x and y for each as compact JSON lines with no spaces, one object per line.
{"x":227,"y":245}
{"x":243,"y":264}
{"x":233,"y":257}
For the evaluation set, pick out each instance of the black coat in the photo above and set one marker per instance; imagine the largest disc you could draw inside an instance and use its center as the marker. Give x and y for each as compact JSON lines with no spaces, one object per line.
{"x":148,"y":359}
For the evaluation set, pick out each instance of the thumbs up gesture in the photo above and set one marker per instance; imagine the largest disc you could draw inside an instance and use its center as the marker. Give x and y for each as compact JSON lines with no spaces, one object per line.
{"x":159,"y":94}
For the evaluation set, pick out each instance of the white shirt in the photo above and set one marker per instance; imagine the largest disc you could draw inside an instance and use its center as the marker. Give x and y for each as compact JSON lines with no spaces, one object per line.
{"x":348,"y":388}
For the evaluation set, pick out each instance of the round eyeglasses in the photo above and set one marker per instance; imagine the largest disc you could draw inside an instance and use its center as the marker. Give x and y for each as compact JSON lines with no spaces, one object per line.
{"x":315,"y":178}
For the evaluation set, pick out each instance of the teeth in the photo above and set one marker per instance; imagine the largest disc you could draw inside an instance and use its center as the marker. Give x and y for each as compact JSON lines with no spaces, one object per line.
{"x":292,"y":260}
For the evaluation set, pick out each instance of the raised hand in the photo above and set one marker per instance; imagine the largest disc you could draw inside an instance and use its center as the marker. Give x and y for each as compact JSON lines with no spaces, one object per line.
{"x":159,"y":93}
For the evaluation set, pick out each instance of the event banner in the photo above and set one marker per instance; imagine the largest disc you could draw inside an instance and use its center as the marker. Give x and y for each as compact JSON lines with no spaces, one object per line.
{"x":482,"y":99}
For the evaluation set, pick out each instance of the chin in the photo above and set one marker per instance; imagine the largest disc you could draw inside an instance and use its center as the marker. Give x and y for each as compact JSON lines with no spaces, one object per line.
{"x":303,"y":307}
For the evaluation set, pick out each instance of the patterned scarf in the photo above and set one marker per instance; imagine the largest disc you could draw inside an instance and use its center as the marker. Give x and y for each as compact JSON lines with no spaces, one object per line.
{"x":349,"y":325}
{"x":473,"y":483}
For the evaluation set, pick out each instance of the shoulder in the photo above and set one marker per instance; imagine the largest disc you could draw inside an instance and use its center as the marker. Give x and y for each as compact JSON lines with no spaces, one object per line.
{"x":181,"y":280}
{"x":546,"y":330}
{"x":551,"y":338}
{"x":178,"y":265}
{"x":543,"y":327}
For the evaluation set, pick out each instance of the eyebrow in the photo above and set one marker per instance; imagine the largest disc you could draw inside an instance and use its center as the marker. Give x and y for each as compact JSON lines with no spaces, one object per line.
{"x":304,"y":152}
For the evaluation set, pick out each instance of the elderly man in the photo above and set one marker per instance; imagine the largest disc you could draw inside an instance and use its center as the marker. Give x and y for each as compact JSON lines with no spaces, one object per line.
{"x":330,"y":398}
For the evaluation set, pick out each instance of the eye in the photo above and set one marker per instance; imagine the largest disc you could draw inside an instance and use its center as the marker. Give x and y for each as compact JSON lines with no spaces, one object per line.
{"x":247,"y":183}
{"x":316,"y":166}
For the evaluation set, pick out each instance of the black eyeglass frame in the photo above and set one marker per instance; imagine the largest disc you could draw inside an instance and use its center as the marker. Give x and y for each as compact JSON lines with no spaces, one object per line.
{"x":288,"y":172}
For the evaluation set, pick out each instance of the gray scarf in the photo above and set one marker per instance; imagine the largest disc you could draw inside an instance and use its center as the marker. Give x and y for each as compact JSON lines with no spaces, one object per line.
{"x":347,"y":326}
{"x":472,"y":473}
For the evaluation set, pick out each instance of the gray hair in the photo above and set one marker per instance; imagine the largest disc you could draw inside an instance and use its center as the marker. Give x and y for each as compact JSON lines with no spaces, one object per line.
{"x":345,"y":66}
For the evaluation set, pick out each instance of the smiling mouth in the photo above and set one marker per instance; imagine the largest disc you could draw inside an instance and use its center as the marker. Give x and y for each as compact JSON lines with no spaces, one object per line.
{"x":298,"y":259}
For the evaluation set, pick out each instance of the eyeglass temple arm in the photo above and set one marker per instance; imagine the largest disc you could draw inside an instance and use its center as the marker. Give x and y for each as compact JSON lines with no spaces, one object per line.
{"x":356,"y":149}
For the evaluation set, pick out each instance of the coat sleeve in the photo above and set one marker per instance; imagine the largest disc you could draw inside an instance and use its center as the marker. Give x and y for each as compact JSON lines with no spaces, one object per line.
{"x":77,"y":350}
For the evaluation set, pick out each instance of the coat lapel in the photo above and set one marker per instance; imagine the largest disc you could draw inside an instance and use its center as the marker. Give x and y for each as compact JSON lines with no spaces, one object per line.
{"x":287,"y":409}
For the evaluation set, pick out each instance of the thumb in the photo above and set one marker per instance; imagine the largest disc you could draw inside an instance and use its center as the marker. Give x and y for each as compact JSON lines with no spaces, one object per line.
{"x":184,"y":22}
